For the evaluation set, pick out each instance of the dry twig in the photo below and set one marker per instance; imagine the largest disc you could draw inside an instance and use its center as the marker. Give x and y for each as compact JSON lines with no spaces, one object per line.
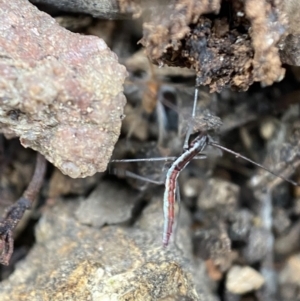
{"x":15,"y":212}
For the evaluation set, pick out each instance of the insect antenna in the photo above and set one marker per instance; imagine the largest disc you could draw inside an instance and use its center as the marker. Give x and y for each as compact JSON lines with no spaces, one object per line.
{"x":190,"y":127}
{"x":237,"y":155}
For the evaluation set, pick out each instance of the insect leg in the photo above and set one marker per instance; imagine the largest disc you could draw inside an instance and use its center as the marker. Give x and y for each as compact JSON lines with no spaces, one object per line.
{"x":190,"y":127}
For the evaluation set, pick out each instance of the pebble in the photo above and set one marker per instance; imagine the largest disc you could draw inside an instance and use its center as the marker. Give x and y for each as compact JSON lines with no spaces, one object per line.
{"x":241,"y":280}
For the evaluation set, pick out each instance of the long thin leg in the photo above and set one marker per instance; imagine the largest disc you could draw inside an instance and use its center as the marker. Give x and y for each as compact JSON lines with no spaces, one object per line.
{"x":16,"y":211}
{"x":190,"y":127}
{"x":162,"y":120}
{"x":200,"y":157}
{"x":237,"y":155}
{"x":132,"y":175}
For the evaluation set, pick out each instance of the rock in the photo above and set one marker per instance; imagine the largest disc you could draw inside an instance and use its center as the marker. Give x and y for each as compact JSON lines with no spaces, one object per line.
{"x":289,"y":279}
{"x":214,"y":244}
{"x":240,"y":225}
{"x":242,"y":280}
{"x":61,"y":185}
{"x":212,"y":270}
{"x":60,"y":92}
{"x":218,"y":195}
{"x":290,"y":48}
{"x":257,"y":245}
{"x":71,"y":261}
{"x":281,"y":221}
{"x":192,"y":187}
{"x":106,"y":205}
{"x":290,"y":54}
{"x":104,"y":9}
{"x":291,"y":271}
{"x":289,"y":242}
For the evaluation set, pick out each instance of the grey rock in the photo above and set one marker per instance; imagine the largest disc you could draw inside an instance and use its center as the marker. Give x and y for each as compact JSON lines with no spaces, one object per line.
{"x":106,"y":205}
{"x":72,"y":261}
{"x":106,"y":9}
{"x":257,"y":245}
{"x":219,"y":195}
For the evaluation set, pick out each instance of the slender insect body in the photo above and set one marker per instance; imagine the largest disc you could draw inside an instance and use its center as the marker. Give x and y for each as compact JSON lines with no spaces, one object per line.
{"x":195,"y":147}
{"x":191,"y":150}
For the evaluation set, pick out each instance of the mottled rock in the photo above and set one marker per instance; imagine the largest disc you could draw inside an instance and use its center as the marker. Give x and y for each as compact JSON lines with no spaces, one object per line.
{"x":242,"y":280}
{"x":71,"y":261}
{"x":106,"y":205}
{"x":289,"y":279}
{"x":265,"y":35}
{"x":240,"y":225}
{"x":218,"y":195}
{"x":289,"y":242}
{"x":290,"y":47}
{"x":257,"y":245}
{"x":281,"y":221}
{"x":60,"y":92}
{"x":106,"y":9}
{"x":61,"y":184}
{"x":291,"y":271}
{"x":290,"y":53}
{"x":214,"y":244}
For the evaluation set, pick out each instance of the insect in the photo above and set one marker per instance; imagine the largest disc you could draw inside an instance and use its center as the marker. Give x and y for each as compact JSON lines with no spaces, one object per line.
{"x":191,"y":150}
{"x":195,"y":147}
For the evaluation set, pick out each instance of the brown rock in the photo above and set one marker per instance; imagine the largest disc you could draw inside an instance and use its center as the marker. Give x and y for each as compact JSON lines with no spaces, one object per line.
{"x":289,"y":282}
{"x":291,"y":271}
{"x":61,"y":184}
{"x":71,"y":261}
{"x":60,"y":92}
